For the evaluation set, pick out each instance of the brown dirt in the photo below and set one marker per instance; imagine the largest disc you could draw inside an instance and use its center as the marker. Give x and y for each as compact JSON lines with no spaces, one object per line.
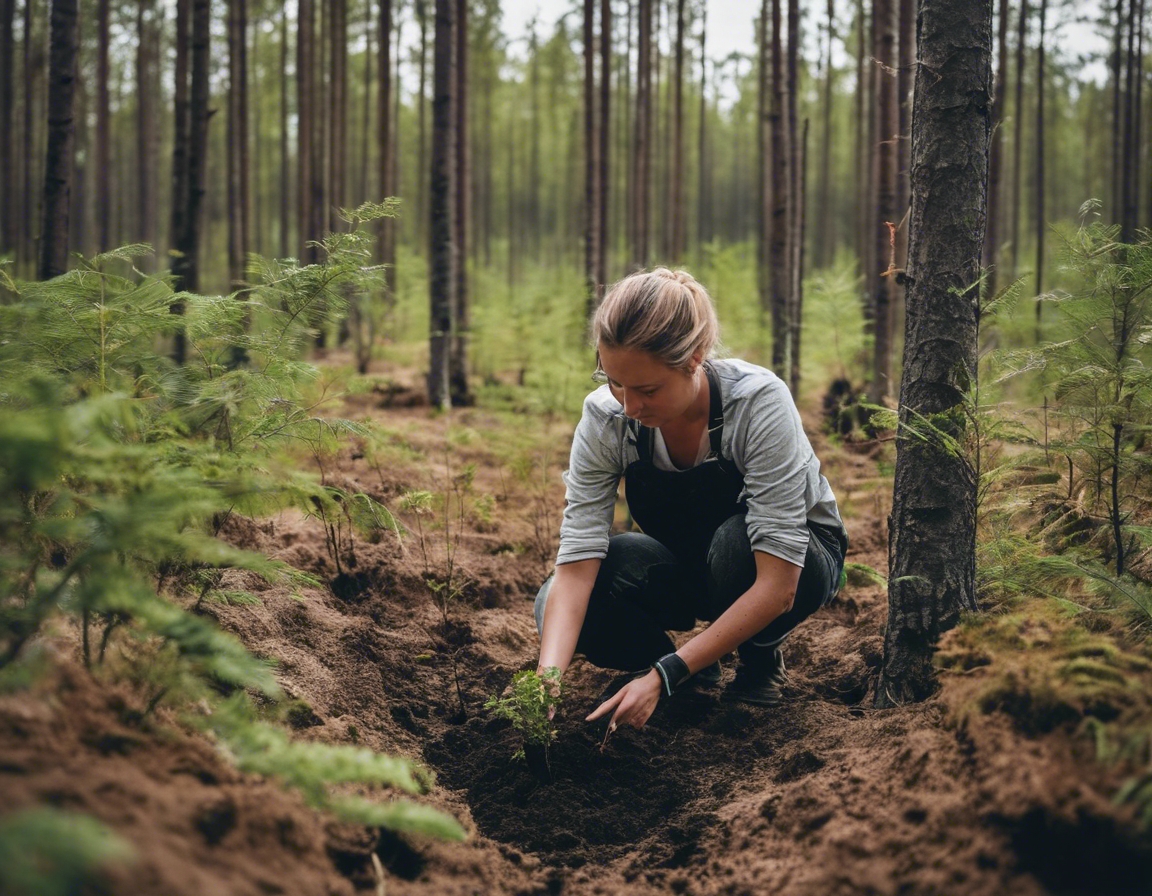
{"x":823,"y":795}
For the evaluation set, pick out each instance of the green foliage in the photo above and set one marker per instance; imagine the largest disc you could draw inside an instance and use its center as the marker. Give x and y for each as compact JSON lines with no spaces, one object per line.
{"x":1101,"y":376}
{"x":528,"y":704}
{"x":314,"y":769}
{"x":48,"y":852}
{"x":118,"y":469}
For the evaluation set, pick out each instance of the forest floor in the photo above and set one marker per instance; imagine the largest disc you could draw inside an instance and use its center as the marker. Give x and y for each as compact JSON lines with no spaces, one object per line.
{"x":822,"y":795}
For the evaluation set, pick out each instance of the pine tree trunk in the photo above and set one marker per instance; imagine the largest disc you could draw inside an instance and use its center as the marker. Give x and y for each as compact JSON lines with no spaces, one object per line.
{"x":239,"y":203}
{"x":676,"y":182}
{"x":337,"y":188}
{"x":285,"y":179}
{"x":1040,"y":186}
{"x":386,"y":235}
{"x":305,"y":161}
{"x":996,"y":153}
{"x":778,"y":254}
{"x":795,"y":188}
{"x":1130,"y":147}
{"x":32,"y":61}
{"x":704,"y":201}
{"x":764,"y":163}
{"x":198,"y":115}
{"x":642,"y":155}
{"x":58,"y":161}
{"x":906,"y":72}
{"x":796,"y":318}
{"x":460,"y":394}
{"x":825,"y":234}
{"x":147,"y":75}
{"x":932,"y":534}
{"x":442,"y":250}
{"x":886,"y":161}
{"x":864,"y":84}
{"x":591,"y":162}
{"x":9,"y":183}
{"x":363,"y":163}
{"x":1117,"y":115}
{"x":103,"y":149}
{"x":181,"y":126}
{"x":421,"y":124}
{"x":604,"y":156}
{"x":1018,"y":139}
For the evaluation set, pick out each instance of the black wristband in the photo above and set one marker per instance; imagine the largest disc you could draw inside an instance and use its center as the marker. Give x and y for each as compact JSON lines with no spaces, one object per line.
{"x":673,"y":672}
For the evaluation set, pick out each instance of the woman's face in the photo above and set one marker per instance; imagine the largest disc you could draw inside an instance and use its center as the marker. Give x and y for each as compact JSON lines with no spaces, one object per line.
{"x":650,"y":391}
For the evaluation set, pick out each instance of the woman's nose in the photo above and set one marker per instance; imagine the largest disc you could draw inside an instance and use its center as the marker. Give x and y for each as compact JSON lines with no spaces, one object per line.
{"x":632,"y":405}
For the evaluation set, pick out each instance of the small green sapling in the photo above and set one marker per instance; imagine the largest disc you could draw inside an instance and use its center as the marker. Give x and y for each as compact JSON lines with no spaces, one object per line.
{"x":529,"y":705}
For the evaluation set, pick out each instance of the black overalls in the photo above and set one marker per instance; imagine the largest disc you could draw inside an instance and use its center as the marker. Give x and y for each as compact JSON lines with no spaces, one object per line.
{"x":692,"y":561}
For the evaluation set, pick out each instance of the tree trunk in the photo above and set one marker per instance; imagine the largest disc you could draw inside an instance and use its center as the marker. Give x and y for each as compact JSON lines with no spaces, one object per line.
{"x":58,"y":161}
{"x":147,"y":75}
{"x":906,"y":72}
{"x":1117,"y":114}
{"x":1039,"y":189}
{"x":704,"y":200}
{"x":386,"y":235}
{"x":337,"y":189}
{"x":604,"y":158}
{"x":1130,"y":138}
{"x":864,"y":85}
{"x":105,"y":178}
{"x":932,"y":529}
{"x":642,"y":156}
{"x":591,"y":162}
{"x":9,"y":200}
{"x":285,"y":179}
{"x":460,"y":394}
{"x":996,"y":152}
{"x":421,"y":124}
{"x":764,"y":164}
{"x":442,"y":250}
{"x":187,"y":269}
{"x":1018,"y":140}
{"x":886,"y":160}
{"x":305,"y":66}
{"x":239,"y":197}
{"x":796,"y":318}
{"x":778,"y":266}
{"x":33,"y":61}
{"x":825,"y":234}
{"x":795,"y":187}
{"x":676,"y":184}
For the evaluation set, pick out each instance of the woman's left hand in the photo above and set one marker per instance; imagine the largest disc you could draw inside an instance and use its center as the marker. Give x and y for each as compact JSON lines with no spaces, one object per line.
{"x":633,"y":704}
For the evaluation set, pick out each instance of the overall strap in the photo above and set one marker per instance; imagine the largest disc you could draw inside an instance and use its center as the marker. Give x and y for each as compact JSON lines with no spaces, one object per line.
{"x":715,"y":410}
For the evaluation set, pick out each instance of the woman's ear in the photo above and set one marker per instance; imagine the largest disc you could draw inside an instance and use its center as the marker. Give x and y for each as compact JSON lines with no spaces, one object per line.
{"x":695,"y":361}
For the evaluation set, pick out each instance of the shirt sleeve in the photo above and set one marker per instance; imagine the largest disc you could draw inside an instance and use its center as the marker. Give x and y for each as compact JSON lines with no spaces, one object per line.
{"x":593,"y":476}
{"x":778,"y":464}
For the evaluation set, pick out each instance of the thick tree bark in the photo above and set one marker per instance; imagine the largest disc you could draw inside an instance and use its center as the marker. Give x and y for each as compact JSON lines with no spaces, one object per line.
{"x":442,"y":249}
{"x":642,"y":156}
{"x":9,"y":185}
{"x":932,"y":529}
{"x":239,"y":195}
{"x":996,"y":153}
{"x":460,"y":394}
{"x":63,"y":48}
{"x":105,"y":176}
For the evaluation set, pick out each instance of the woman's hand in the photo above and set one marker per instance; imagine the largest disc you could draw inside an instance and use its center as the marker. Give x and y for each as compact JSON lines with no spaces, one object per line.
{"x":633,"y":704}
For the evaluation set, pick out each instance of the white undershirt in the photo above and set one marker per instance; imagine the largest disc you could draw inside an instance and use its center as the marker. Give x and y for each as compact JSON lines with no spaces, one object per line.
{"x":663,"y":461}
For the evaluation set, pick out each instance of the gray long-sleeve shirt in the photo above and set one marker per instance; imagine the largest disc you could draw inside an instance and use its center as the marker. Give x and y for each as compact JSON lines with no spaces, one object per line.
{"x":763,"y":436}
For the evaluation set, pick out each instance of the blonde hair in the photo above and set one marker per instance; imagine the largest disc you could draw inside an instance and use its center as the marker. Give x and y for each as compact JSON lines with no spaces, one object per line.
{"x":665,"y":313}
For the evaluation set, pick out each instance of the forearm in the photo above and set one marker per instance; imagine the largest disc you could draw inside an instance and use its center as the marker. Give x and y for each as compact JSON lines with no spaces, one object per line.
{"x":564,"y":613}
{"x":770,"y":596}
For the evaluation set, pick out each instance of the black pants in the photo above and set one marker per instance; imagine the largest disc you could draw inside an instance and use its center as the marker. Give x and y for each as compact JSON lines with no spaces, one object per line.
{"x":642,"y":591}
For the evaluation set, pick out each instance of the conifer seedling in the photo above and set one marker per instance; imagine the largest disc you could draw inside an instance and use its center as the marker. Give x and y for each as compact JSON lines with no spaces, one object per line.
{"x":529,"y":705}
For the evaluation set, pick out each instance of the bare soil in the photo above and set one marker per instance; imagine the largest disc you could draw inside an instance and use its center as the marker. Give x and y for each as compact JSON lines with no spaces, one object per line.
{"x":823,"y":795}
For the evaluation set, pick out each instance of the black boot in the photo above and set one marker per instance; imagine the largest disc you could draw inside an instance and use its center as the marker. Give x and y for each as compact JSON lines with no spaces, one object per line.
{"x":759,"y":677}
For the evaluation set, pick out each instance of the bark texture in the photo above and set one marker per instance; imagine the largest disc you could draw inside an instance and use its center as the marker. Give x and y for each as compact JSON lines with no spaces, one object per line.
{"x":442,"y":248}
{"x":932,"y":541}
{"x":63,"y":49}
